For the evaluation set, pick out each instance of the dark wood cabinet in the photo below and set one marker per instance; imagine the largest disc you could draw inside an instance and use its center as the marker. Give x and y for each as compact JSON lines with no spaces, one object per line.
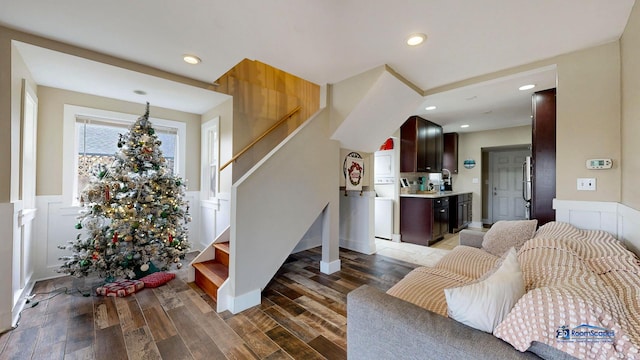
{"x":421,"y":146}
{"x":460,"y":212}
{"x":543,"y":151}
{"x":450,"y":152}
{"x":423,"y":221}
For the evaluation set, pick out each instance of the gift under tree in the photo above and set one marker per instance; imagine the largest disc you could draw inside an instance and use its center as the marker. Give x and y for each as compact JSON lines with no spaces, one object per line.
{"x":134,"y":214}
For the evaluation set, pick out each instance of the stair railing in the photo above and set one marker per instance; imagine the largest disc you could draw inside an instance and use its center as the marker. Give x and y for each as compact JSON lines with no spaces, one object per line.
{"x":256,"y":140}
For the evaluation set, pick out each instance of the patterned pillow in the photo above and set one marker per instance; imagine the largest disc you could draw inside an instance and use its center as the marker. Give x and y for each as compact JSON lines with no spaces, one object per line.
{"x":504,"y":235}
{"x":120,"y":288}
{"x":158,"y":278}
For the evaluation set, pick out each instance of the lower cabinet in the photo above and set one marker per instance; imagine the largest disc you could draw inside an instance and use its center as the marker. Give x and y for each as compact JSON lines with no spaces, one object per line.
{"x":459,"y":212}
{"x":423,"y":221}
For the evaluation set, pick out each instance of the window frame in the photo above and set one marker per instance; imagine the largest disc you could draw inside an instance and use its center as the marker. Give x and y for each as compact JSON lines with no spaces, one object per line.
{"x":70,"y":144}
{"x":209,"y":146}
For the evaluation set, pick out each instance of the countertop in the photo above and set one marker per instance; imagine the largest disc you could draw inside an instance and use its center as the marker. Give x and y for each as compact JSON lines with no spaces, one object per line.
{"x":437,"y":194}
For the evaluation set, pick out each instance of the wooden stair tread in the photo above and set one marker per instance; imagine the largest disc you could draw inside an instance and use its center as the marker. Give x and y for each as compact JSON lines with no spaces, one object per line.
{"x":223,"y":246}
{"x":213,"y":270}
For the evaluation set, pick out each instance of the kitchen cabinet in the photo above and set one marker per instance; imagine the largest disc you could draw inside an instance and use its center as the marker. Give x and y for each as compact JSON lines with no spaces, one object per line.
{"x":450,"y":152}
{"x":543,"y":151}
{"x":421,"y":146}
{"x":423,"y":221}
{"x":460,"y":212}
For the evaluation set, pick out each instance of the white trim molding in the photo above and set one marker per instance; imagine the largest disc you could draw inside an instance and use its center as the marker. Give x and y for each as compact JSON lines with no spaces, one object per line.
{"x":621,"y":221}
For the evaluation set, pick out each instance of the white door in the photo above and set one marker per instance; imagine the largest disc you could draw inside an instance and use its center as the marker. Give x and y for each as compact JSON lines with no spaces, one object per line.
{"x":506,"y":185}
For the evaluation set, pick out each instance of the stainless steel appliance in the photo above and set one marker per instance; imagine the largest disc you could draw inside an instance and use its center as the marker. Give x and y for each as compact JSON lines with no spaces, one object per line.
{"x":527,"y":171}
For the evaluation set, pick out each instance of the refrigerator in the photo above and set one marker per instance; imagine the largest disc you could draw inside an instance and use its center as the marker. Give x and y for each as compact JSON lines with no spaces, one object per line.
{"x":527,"y":171}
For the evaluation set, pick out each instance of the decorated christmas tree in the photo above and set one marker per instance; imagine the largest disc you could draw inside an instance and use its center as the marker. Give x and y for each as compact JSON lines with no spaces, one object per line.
{"x":134,"y":216}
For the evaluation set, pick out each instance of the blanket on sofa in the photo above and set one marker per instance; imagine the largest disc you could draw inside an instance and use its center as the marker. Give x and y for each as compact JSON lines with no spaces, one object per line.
{"x":583,"y":295}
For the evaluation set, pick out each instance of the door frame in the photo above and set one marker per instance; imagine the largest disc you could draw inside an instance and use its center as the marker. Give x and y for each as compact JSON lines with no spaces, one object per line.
{"x":488,"y":176}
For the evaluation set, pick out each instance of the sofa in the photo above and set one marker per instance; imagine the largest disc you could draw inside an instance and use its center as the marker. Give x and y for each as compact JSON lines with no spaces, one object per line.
{"x":573,"y":280}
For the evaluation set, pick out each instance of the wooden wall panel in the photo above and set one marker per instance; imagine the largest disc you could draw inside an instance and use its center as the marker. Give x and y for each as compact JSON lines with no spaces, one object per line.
{"x":262,"y":95}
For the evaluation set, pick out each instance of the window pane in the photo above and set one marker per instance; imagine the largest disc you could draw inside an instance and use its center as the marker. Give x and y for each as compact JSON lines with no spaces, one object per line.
{"x":98,"y":144}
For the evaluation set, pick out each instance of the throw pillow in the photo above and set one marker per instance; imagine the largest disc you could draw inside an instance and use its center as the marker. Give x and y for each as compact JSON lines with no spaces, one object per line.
{"x":504,"y":235}
{"x":483,"y":305}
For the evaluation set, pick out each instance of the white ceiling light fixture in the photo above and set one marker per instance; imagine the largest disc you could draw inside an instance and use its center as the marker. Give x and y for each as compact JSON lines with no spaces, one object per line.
{"x":431,"y":107}
{"x":416,"y":39}
{"x":191,"y":59}
{"x":464,"y":126}
{"x":526,"y":87}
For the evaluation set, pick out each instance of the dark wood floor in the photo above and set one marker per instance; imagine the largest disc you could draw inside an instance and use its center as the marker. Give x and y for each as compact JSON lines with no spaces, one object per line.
{"x":302,"y":316}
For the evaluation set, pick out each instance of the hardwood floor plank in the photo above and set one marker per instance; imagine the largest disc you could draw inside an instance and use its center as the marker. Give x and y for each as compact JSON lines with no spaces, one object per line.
{"x":105,"y":312}
{"x":20,"y":344}
{"x":80,"y":333}
{"x":129,"y":313}
{"x":322,"y":311}
{"x":257,"y":341}
{"x":147,"y":299}
{"x":328,"y":349}
{"x":167,"y":297}
{"x":191,"y":298}
{"x":48,"y":352}
{"x":81,"y":305}
{"x":85,"y":353}
{"x":109,"y":344}
{"x":337,"y":334}
{"x":283,"y":301}
{"x":279,"y":355}
{"x":53,"y":334}
{"x":221,"y":333}
{"x":193,"y":335}
{"x":292,"y":345}
{"x":328,"y":292}
{"x":260,"y":319}
{"x":173,"y":348}
{"x":338,"y":307}
{"x":159,"y":323}
{"x":298,"y":328}
{"x":140,"y":344}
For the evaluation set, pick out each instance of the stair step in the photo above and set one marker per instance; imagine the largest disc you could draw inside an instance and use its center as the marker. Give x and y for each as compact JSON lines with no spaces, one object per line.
{"x":222,"y":252}
{"x":210,"y":275}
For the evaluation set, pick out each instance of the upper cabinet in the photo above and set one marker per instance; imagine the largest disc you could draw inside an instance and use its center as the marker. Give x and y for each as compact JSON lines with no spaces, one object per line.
{"x":450,"y":155}
{"x":421,"y":146}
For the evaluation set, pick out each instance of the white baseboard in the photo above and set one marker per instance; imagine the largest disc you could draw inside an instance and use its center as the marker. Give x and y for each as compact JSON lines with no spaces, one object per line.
{"x":245,"y":301}
{"x":330,"y":267}
{"x":395,"y":238}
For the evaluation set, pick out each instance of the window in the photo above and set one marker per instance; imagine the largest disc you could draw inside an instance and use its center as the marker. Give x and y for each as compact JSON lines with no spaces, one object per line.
{"x":95,"y":135}
{"x":209,"y":157}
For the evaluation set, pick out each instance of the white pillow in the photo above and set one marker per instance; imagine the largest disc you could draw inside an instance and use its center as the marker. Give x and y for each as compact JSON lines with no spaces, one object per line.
{"x":484,"y":304}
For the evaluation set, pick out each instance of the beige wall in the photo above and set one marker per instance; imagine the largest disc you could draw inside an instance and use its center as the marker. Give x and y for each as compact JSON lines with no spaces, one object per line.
{"x":6,"y":94}
{"x":225,"y":112}
{"x":345,"y":95}
{"x":50,"y":124}
{"x":630,"y":49}
{"x":588,"y":122}
{"x":470,"y":147}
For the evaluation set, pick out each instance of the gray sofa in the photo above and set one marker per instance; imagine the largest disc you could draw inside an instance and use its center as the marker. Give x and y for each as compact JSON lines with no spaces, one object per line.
{"x":381,"y":326}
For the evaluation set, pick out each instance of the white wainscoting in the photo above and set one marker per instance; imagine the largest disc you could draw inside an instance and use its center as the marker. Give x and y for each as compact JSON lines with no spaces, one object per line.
{"x":214,"y":218}
{"x":6,"y":255}
{"x":55,"y":226}
{"x":617,"y":219}
{"x":357,"y":221}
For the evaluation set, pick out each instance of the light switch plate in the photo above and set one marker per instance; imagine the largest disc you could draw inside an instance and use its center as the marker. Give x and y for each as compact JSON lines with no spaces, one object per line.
{"x":588,"y":184}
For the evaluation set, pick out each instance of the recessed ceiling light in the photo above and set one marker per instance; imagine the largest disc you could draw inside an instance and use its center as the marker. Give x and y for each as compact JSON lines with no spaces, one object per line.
{"x":140,"y":92}
{"x":416,"y":39}
{"x":432,"y":107}
{"x":191,"y":59}
{"x":526,"y":87}
{"x":464,"y":126}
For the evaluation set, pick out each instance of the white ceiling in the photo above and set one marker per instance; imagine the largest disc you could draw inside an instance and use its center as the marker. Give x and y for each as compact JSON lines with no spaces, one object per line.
{"x":321,"y":41}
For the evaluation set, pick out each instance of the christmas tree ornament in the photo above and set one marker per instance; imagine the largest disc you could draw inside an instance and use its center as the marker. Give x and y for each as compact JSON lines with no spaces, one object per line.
{"x":179,"y":265}
{"x":129,"y":210}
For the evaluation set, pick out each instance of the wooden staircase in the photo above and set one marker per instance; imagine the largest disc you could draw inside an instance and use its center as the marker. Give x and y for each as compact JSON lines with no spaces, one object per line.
{"x":211,"y":274}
